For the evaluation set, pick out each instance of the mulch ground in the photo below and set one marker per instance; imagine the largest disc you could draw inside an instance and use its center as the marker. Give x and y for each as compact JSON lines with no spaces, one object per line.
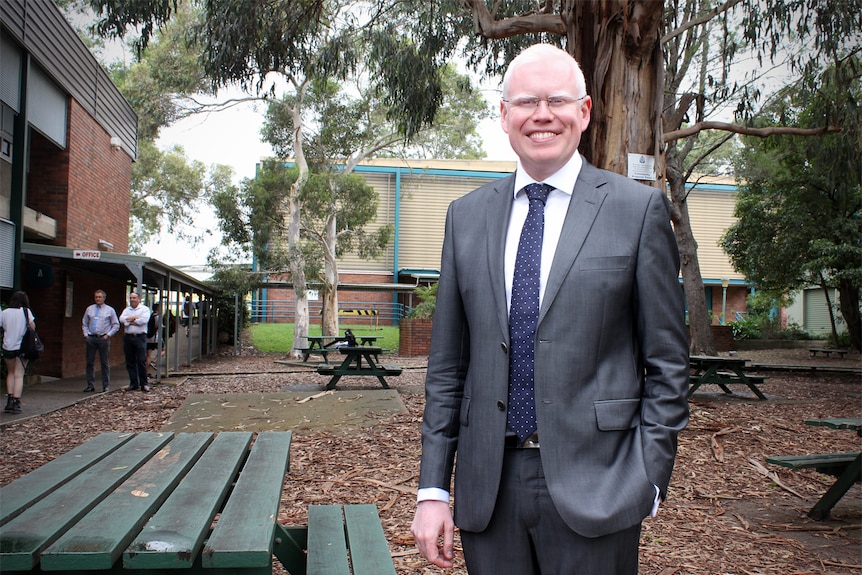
{"x":729,"y":511}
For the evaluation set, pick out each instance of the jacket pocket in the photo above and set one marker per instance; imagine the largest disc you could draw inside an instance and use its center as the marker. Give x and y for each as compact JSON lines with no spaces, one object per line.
{"x":617,"y":414}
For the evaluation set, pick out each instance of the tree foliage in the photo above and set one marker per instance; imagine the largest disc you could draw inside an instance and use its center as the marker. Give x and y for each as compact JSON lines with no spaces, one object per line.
{"x":250,"y":216}
{"x":166,"y":190}
{"x":799,"y":207}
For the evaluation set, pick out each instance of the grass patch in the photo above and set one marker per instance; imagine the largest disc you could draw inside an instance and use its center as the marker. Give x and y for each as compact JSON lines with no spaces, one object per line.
{"x":278,"y":337}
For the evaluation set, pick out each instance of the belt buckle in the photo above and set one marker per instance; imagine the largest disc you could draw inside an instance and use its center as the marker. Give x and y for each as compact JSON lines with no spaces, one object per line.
{"x":531,"y":442}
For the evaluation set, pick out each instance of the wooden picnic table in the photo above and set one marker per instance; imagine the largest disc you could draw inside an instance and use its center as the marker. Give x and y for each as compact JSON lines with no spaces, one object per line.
{"x":147,"y":502}
{"x":325,"y":344}
{"x":353,"y":365}
{"x":847,"y":467}
{"x":721,"y":371}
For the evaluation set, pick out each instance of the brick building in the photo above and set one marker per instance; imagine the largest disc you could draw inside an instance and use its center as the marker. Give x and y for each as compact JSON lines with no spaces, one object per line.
{"x":67,"y":142}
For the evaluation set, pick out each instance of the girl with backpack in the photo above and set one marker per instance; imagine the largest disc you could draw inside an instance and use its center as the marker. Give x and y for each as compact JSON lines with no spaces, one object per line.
{"x":14,"y":322}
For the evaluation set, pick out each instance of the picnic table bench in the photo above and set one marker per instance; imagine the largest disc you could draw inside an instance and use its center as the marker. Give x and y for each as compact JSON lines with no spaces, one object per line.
{"x":847,"y":467}
{"x":722,"y":371}
{"x":353,"y":365}
{"x":147,"y":502}
{"x":827,"y":352}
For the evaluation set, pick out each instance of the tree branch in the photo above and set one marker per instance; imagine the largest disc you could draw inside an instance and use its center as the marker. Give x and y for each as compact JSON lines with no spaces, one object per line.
{"x":700,"y":20}
{"x":486,"y":25}
{"x":746,"y":130}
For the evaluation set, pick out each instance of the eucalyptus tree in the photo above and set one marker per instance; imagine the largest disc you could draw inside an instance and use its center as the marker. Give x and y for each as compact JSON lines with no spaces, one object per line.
{"x":167,"y":189}
{"x":620,"y":44}
{"x":344,"y":124}
{"x":721,"y":63}
{"x":799,"y":210}
{"x":661,"y":73}
{"x":295,"y":43}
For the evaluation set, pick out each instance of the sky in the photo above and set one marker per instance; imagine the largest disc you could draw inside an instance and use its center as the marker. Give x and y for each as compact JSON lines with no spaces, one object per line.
{"x":232,"y":137}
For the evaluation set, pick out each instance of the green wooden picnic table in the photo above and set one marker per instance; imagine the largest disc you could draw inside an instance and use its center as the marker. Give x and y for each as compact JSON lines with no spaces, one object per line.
{"x":147,"y":502}
{"x":846,"y":467}
{"x":359,"y":360}
{"x":721,"y":371}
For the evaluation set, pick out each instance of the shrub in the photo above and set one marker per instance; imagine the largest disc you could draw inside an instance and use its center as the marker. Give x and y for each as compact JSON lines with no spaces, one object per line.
{"x":428,"y":302}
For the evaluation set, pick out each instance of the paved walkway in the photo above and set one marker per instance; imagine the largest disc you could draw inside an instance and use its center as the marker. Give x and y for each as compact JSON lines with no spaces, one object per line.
{"x":52,"y":394}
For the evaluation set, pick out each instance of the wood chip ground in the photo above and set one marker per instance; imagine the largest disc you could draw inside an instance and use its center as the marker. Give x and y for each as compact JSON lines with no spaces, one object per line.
{"x":729,"y":512}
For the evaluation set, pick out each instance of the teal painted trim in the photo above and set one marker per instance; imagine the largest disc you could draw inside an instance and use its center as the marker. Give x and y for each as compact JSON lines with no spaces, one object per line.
{"x":433,"y":172}
{"x":397,"y":232}
{"x":716,"y":282}
{"x":712,"y":187}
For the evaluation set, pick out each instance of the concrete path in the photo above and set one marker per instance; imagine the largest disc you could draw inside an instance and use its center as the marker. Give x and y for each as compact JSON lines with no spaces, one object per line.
{"x":51,"y":394}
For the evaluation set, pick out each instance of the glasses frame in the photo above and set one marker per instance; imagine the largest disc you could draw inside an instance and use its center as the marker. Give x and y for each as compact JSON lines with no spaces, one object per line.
{"x":521,"y":103}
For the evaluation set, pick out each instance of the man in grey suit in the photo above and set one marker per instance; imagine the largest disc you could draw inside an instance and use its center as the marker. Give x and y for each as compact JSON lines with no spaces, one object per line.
{"x":608,"y":354}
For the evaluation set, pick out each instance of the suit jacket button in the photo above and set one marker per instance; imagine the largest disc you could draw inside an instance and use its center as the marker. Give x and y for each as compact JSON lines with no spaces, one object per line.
{"x":501,"y":406}
{"x":504,"y":346}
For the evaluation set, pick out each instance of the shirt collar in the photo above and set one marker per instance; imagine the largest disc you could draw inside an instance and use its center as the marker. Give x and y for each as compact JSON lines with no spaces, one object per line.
{"x":563,"y":179}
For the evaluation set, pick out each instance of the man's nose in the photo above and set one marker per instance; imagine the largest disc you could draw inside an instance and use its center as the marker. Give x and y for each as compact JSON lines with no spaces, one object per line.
{"x":543,"y":110}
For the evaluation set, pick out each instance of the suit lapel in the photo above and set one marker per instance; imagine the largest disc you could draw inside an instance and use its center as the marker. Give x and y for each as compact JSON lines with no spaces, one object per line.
{"x":497,"y":222}
{"x":584,"y":206}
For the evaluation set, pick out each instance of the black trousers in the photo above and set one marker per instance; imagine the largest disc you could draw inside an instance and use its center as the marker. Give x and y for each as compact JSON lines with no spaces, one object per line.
{"x":135,"y":350}
{"x":527,"y":536}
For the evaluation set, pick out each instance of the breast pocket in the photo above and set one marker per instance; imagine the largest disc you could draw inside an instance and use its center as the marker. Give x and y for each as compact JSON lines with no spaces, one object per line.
{"x":604,"y":263}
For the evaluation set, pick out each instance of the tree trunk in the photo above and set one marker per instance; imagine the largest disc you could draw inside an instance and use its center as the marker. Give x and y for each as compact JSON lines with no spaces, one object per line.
{"x":848,"y":292}
{"x":330,"y":278}
{"x":294,"y":246}
{"x":701,"y":339}
{"x":618,"y":46}
{"x":825,"y":287}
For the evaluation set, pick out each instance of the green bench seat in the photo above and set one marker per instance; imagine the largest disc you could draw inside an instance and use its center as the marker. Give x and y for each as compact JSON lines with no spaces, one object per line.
{"x":339,"y":539}
{"x":828,"y":463}
{"x":728,"y":378}
{"x":847,"y":467}
{"x":330,"y":369}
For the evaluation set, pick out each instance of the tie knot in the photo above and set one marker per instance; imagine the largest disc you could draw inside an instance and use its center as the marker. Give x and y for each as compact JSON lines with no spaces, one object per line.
{"x":537,"y":192}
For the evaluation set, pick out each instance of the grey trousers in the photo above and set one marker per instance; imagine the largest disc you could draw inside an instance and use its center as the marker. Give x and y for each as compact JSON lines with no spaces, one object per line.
{"x":527,"y":536}
{"x":103,"y":346}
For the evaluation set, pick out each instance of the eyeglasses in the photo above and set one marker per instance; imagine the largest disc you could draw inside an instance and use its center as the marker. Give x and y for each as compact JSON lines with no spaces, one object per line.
{"x":532,"y":103}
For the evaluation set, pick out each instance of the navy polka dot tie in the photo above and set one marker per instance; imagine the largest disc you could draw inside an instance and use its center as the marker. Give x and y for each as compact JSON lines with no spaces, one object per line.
{"x":524,"y":314}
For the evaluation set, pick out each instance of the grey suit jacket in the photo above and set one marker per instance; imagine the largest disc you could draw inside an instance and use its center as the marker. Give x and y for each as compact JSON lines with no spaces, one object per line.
{"x":611,"y":356}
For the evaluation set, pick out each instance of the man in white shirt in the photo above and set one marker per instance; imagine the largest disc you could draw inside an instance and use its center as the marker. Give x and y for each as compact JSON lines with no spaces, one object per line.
{"x":134,"y":319}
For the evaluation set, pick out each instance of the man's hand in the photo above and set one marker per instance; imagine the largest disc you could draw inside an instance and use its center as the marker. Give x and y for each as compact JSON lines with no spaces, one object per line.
{"x":433,"y":519}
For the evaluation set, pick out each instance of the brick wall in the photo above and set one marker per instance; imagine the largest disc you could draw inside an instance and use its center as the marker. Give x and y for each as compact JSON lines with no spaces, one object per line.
{"x":99,"y":184}
{"x":735,"y":302}
{"x":415,"y":336}
{"x":346,"y":299}
{"x":85,"y":188}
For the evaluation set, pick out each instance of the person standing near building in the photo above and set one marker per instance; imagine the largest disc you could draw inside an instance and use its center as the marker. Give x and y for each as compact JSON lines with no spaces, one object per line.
{"x":14,"y":321}
{"x":99,"y":324}
{"x":154,"y":336}
{"x":134,"y":319}
{"x":558,"y":367}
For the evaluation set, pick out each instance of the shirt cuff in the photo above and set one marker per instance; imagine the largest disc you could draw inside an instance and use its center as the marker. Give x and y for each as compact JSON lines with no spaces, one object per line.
{"x":655,"y":502}
{"x":432,"y":494}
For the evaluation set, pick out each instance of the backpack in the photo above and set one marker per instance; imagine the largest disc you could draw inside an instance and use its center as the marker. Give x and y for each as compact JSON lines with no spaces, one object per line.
{"x":31,"y":345}
{"x":151,"y":326}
